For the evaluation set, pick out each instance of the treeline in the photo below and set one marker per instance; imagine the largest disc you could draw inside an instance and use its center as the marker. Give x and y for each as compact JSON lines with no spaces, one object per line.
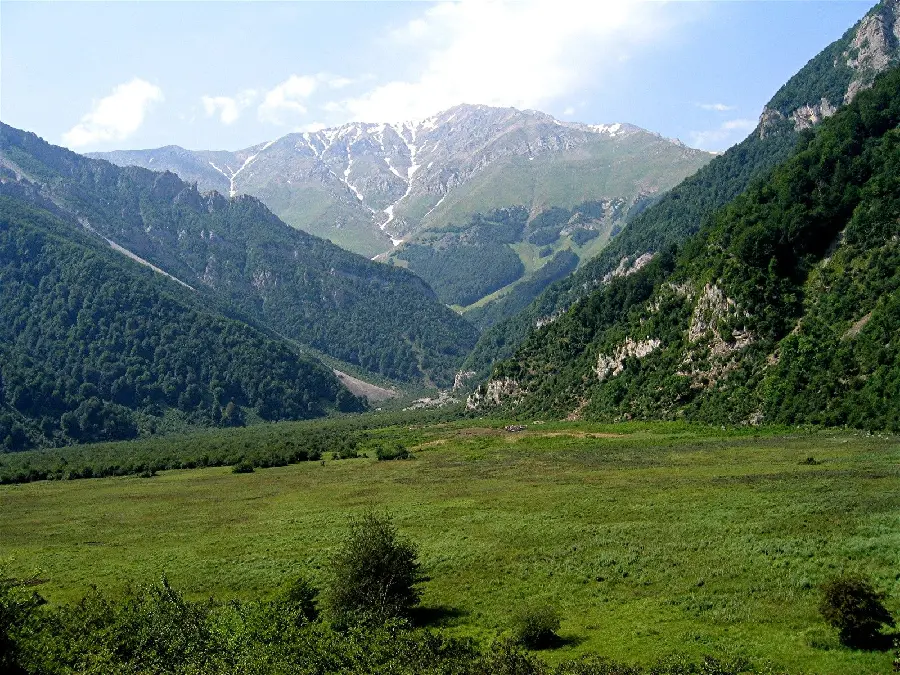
{"x":789,"y":337}
{"x":258,"y":446}
{"x":93,"y":345}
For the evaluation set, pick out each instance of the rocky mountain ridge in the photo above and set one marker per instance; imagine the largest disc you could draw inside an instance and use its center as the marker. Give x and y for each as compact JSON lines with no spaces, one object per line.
{"x":370,"y":186}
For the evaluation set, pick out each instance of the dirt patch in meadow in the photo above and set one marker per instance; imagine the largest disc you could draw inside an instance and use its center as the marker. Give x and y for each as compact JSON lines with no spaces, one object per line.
{"x":431,"y":444}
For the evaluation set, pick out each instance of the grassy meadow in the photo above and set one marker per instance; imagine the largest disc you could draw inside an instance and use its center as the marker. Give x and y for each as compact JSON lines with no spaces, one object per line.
{"x":650,"y":539}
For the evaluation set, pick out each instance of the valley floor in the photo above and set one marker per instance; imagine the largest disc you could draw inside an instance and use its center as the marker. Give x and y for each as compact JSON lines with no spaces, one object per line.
{"x":649,"y":539}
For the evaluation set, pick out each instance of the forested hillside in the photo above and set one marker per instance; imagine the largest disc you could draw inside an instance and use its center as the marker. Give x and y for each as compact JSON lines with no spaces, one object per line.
{"x":816,"y":91}
{"x":307,"y":289}
{"x":494,"y":264}
{"x":94,"y":346}
{"x":784,"y":308}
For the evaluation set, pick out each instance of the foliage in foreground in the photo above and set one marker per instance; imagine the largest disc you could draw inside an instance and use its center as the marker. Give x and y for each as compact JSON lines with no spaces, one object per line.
{"x":853,"y":606}
{"x":374,"y":574}
{"x":154,"y":629}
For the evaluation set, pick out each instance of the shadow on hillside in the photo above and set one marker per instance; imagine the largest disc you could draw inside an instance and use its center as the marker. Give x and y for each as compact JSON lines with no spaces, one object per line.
{"x":439,"y":615}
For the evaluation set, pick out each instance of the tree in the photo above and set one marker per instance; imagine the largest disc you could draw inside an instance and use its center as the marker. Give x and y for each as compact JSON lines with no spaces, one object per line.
{"x":535,"y":627}
{"x":853,"y":606}
{"x":373,"y":575}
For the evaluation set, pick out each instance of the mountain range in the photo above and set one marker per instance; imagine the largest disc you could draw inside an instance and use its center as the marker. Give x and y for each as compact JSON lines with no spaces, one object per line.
{"x":761,"y":287}
{"x":370,"y":186}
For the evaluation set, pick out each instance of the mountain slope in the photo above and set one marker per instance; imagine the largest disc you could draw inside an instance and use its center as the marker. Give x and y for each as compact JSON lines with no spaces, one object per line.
{"x":381,"y":318}
{"x":784,"y":308}
{"x":94,"y":346}
{"x":365,"y":185}
{"x":835,"y":75}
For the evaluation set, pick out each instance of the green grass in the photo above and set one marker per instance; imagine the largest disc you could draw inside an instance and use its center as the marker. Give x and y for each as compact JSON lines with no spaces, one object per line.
{"x":663,"y":538}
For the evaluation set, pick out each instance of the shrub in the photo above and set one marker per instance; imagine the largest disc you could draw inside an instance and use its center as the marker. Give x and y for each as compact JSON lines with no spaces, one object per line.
{"x":299,"y":599}
{"x":243,"y":466}
{"x":397,"y":452}
{"x":535,"y":627}
{"x":853,"y":606}
{"x":373,"y":575}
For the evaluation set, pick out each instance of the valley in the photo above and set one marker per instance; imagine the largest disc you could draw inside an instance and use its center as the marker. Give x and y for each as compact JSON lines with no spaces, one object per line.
{"x":650,"y":539}
{"x":492,"y":391}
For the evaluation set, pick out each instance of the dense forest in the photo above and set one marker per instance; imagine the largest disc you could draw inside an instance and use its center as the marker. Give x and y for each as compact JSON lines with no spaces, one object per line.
{"x":96,"y":347}
{"x":465,"y":263}
{"x":784,"y":307}
{"x":683,"y":210}
{"x":381,"y":318}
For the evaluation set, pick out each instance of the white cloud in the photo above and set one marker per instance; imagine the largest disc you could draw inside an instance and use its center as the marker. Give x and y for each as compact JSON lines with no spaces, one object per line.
{"x":338,"y":82}
{"x":717,"y":107}
{"x":569,"y":111}
{"x":229,"y":108}
{"x":290,"y":98}
{"x":524,"y":54}
{"x":725,"y":135}
{"x":115,"y":117}
{"x":287,"y":99}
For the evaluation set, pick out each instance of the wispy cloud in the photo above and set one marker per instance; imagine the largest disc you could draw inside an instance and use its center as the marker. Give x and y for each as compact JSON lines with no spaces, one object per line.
{"x":545,"y":51}
{"x":718,"y":107}
{"x":723,"y":136}
{"x":229,"y":108}
{"x":115,"y":117}
{"x":283,"y":103}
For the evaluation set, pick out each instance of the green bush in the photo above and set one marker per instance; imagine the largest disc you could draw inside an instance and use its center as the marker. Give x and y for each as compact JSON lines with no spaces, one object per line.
{"x":853,"y":606}
{"x":299,"y":599}
{"x":243,"y":466}
{"x":397,"y":452}
{"x":535,"y":627}
{"x":373,"y":575}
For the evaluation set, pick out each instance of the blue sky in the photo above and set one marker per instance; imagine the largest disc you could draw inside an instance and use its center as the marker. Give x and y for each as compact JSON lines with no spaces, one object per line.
{"x":213,"y":75}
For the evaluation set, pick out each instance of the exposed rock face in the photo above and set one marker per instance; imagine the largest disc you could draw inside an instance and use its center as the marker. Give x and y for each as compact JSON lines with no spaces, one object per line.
{"x":874,"y":46}
{"x":625,"y":269}
{"x":711,"y":354}
{"x":462,"y":376}
{"x":807,"y":116}
{"x":768,"y":120}
{"x":494,"y":393}
{"x":712,"y":306}
{"x":614,"y":364}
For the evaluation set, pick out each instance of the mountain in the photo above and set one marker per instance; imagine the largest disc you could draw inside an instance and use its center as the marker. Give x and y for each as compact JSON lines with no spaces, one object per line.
{"x":367,"y":186}
{"x":784,"y":308}
{"x":820,"y":88}
{"x":240,"y":256}
{"x":95,"y":346}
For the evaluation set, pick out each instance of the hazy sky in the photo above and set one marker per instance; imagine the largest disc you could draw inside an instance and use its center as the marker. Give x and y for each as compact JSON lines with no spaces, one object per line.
{"x":214,"y":75}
